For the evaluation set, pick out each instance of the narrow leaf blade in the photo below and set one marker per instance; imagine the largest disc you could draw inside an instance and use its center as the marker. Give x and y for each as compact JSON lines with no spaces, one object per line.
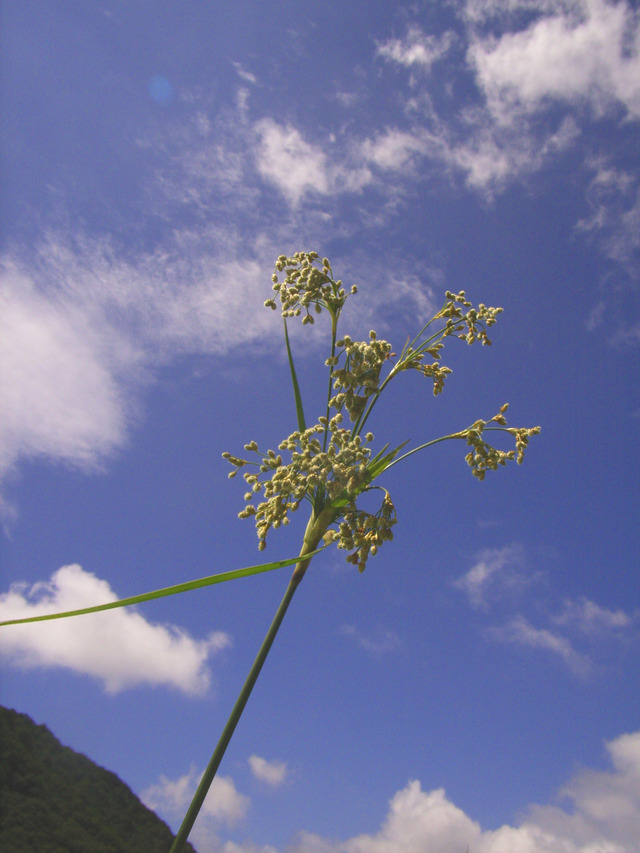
{"x":294,"y":380}
{"x":166,"y":591}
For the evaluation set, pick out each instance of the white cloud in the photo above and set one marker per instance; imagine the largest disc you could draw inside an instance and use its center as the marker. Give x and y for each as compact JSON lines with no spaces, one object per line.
{"x":298,"y":168}
{"x":376,"y":642}
{"x":613,"y":196}
{"x":576,"y":633}
{"x":272,"y":772}
{"x":491,"y":156}
{"x":606,"y":804}
{"x":57,"y":395}
{"x":588,"y":51}
{"x":495,"y":571}
{"x":245,"y":75}
{"x":285,"y":159}
{"x":393,"y":149}
{"x":416,"y":48}
{"x":119,"y":647}
{"x":83,"y":328}
{"x":521,"y":632}
{"x":591,"y":618}
{"x":224,"y":804}
{"x":605,"y":818}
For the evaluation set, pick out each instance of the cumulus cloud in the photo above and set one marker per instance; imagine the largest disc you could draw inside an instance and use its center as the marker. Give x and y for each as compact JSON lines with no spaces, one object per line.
{"x":605,"y":818}
{"x":119,"y":647}
{"x":171,"y":797}
{"x":223,"y":807}
{"x":273,"y":773}
{"x":83,"y":328}
{"x":57,"y":395}
{"x":587,"y":51}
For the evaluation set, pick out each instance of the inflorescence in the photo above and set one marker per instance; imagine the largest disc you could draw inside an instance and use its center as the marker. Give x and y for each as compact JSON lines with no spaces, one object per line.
{"x":338,"y":474}
{"x":334,"y":472}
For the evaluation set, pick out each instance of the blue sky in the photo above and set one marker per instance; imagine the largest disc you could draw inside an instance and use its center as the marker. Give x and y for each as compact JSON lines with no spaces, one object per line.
{"x":475,"y":687}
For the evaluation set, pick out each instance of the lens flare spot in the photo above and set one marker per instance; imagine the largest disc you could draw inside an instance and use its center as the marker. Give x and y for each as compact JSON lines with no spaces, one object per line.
{"x":160,"y":89}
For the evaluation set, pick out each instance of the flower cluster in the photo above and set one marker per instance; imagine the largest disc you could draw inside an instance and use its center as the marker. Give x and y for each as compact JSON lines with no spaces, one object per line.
{"x":339,"y":471}
{"x":484,"y":457}
{"x":364,"y":531}
{"x":437,"y":372}
{"x":307,"y":282}
{"x":361,"y":373}
{"x":331,"y":466}
{"x":470,"y":325}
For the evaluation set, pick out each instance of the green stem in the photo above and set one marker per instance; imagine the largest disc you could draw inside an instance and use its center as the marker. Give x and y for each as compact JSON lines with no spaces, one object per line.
{"x":316,"y":529}
{"x":334,"y":334}
{"x":422,"y":447}
{"x":453,"y":435}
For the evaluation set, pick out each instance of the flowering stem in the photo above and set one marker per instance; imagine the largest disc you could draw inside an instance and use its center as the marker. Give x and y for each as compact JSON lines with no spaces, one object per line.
{"x":422,"y":447}
{"x":316,"y":528}
{"x":453,"y":435}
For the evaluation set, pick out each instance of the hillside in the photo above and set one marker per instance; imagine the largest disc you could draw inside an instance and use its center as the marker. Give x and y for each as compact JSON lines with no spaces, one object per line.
{"x":54,"y":800}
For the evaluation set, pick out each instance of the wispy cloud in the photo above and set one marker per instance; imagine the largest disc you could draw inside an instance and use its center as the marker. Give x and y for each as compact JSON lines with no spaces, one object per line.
{"x":581,"y":633}
{"x":85,"y":317}
{"x":592,"y":619}
{"x":273,"y":773}
{"x":120,"y":647}
{"x":417,"y":48}
{"x":377,"y":642}
{"x":521,"y":632}
{"x":495,"y":572}
{"x":613,"y":197}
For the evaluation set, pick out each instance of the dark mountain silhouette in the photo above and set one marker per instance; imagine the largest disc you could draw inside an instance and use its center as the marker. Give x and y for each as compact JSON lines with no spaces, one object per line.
{"x":54,"y":800}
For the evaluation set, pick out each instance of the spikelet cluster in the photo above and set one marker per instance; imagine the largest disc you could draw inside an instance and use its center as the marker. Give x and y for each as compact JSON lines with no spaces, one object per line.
{"x":483,"y":456}
{"x":359,"y":378}
{"x":364,"y":531}
{"x":307,"y":281}
{"x":340,"y":470}
{"x":469,"y":325}
{"x":436,"y":371}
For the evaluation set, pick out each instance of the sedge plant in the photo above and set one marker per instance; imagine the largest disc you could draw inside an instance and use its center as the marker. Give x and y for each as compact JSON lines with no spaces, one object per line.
{"x":330,"y":465}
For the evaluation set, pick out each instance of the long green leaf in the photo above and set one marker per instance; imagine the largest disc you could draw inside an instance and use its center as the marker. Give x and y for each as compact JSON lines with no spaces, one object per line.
{"x":168,"y":590}
{"x":294,"y":379}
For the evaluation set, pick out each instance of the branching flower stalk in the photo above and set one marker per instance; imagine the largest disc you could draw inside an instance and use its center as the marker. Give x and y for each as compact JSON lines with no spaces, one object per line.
{"x":330,"y":465}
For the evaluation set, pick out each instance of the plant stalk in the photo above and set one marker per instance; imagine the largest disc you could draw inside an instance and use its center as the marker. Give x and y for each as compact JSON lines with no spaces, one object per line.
{"x":316,"y":529}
